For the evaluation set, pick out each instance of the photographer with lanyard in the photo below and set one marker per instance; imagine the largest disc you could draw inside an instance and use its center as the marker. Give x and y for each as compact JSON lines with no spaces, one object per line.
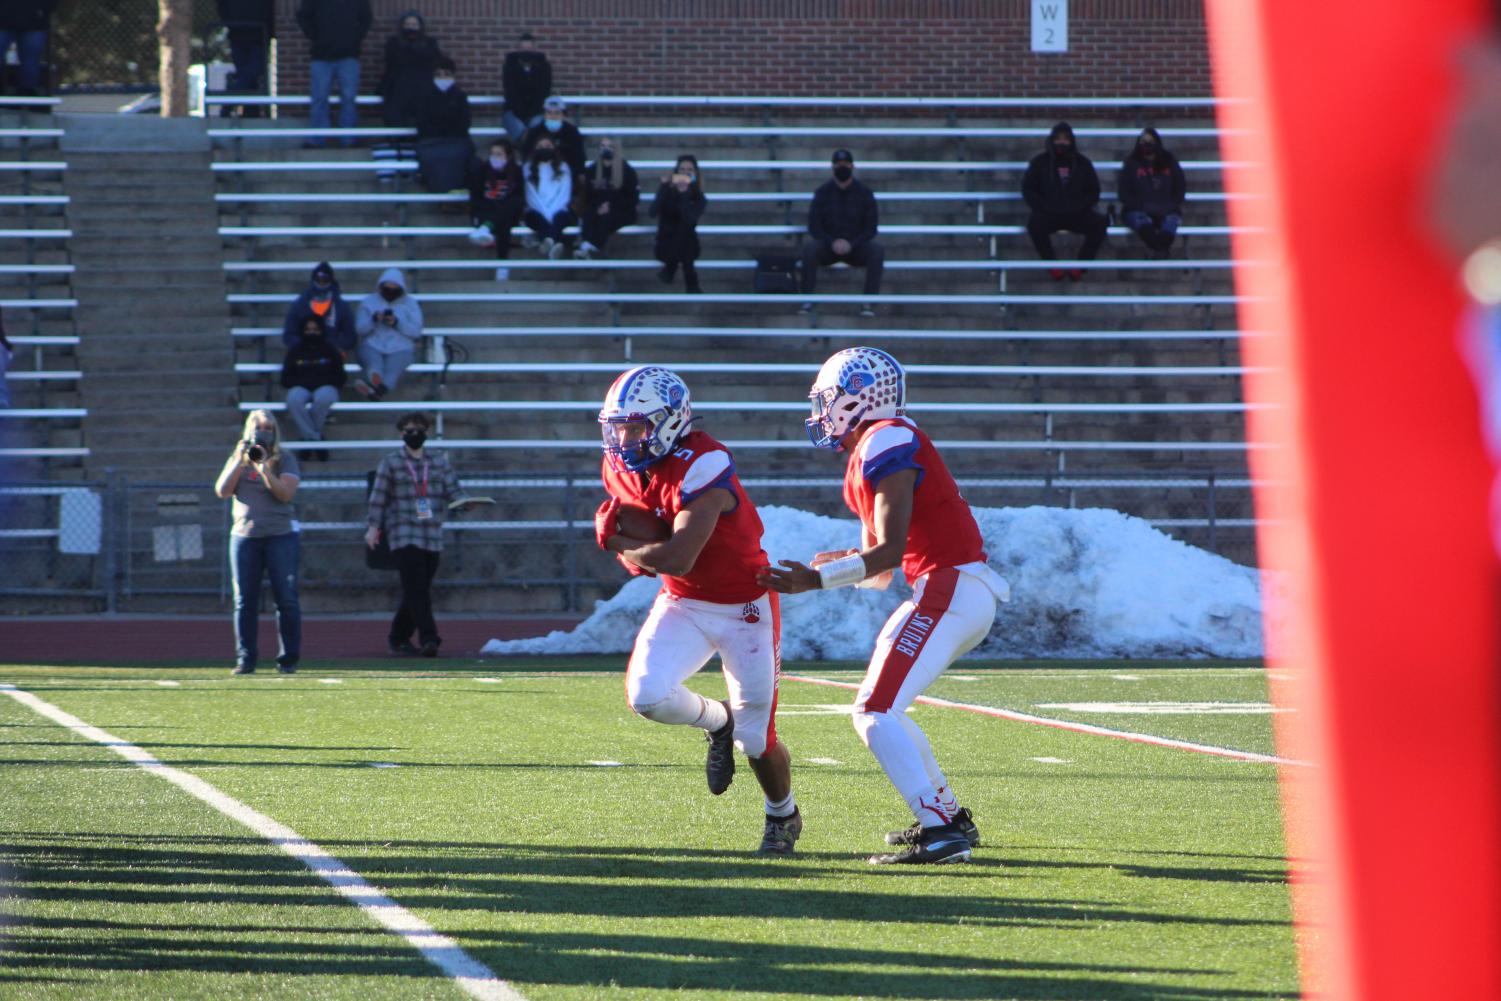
{"x":413,"y":492}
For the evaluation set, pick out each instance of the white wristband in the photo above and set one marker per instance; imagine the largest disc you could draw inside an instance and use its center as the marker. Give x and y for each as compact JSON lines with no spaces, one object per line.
{"x":842,"y":572}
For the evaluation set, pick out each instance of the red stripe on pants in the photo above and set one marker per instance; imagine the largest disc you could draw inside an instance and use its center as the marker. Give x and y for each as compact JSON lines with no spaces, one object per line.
{"x":776,"y":666}
{"x":909,"y":642}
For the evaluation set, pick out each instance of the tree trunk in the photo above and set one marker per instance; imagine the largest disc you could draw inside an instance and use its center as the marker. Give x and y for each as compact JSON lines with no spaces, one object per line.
{"x":175,"y":32}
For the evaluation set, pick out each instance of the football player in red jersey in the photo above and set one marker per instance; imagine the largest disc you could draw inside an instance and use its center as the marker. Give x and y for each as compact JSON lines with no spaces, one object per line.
{"x":912,"y":516}
{"x":710,"y":601}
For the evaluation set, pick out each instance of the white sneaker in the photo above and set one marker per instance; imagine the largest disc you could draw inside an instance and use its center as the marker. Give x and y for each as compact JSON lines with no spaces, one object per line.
{"x":502,"y":274}
{"x":545,"y":248}
{"x":868,"y":309}
{"x":555,"y":250}
{"x":481,"y":236}
{"x":529,"y":240}
{"x":586,"y":251}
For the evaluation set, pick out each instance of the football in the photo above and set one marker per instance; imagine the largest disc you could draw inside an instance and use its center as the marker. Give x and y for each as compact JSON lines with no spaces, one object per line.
{"x":639,"y":523}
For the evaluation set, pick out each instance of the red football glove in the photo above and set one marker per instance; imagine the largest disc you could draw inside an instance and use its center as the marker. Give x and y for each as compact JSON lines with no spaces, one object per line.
{"x":631,"y":568}
{"x":605,"y":521}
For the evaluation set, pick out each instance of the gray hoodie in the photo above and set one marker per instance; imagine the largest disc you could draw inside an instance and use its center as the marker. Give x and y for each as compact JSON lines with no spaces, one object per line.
{"x":381,"y":336}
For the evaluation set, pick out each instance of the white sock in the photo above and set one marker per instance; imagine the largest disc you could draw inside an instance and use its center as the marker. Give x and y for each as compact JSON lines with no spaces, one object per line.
{"x":947,"y":802}
{"x":928,"y":808}
{"x":782,"y":808}
{"x":712,"y":714}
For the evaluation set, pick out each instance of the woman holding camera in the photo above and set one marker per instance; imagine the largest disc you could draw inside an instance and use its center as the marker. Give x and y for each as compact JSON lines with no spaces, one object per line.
{"x":679,"y":205}
{"x":263,"y":479}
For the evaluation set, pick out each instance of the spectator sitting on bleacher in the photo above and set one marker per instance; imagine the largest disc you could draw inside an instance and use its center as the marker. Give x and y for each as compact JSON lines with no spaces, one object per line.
{"x":611,"y":193}
{"x":563,"y":133}
{"x":444,"y":148}
{"x":324,"y":300}
{"x":249,"y":26}
{"x":549,"y":192}
{"x":334,"y":29}
{"x":497,"y":196}
{"x":411,"y":56}
{"x":1061,"y":189}
{"x":679,"y":205}
{"x":390,"y":326}
{"x":26,"y":23}
{"x":312,"y":375}
{"x":526,"y":79}
{"x":842,"y":221}
{"x":1151,"y":188}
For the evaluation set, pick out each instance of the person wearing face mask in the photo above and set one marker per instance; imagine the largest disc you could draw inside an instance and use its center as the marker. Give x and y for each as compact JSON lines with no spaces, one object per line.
{"x":324,"y":300}
{"x":264,"y":541}
{"x":1062,"y":190}
{"x":611,"y":193}
{"x":842,"y":222}
{"x":549,"y":192}
{"x":411,"y":59}
{"x":389,"y":323}
{"x":679,"y":205}
{"x":565,"y":136}
{"x":312,"y":374}
{"x":413,"y":491}
{"x":1151,"y":187}
{"x":526,"y":80}
{"x":444,"y":148}
{"x":497,"y":197}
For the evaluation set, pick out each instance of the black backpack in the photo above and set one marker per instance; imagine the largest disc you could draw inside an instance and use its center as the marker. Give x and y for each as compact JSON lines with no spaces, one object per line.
{"x":776,"y":273}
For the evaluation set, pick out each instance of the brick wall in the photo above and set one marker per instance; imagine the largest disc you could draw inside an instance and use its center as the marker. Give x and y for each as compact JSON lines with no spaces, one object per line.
{"x":977,"y":48}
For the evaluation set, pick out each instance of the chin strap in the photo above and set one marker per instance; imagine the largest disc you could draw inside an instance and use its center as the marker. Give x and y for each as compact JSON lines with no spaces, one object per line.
{"x":842,"y":572}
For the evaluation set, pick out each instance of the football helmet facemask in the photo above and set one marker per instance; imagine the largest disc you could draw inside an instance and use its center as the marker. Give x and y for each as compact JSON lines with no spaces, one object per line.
{"x":854,"y":385}
{"x":646,"y":411}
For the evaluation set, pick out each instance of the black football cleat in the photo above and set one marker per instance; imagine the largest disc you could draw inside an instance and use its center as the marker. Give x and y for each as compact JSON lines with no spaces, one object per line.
{"x":963,"y":820}
{"x":719,"y":768}
{"x":937,"y":846}
{"x":781,"y":834}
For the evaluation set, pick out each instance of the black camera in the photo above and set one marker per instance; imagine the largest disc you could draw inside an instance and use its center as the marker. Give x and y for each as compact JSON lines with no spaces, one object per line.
{"x":254,"y":452}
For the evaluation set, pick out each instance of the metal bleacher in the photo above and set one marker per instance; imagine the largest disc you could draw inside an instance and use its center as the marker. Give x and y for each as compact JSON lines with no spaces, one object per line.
{"x":40,"y":432}
{"x":1131,"y":375}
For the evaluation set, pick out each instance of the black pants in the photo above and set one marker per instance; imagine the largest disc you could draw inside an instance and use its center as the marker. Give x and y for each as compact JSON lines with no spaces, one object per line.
{"x":1042,"y":225}
{"x":500,"y":217}
{"x":553,"y":227}
{"x":597,"y":229}
{"x":416,"y":567}
{"x":820,"y":254}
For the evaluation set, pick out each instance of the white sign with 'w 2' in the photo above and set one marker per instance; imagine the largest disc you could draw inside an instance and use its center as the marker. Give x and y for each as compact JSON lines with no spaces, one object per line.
{"x":1049,"y":25}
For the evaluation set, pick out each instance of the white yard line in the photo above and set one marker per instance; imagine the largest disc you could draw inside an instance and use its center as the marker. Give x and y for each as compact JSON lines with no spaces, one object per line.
{"x":473,"y":977}
{"x":1070,"y":725}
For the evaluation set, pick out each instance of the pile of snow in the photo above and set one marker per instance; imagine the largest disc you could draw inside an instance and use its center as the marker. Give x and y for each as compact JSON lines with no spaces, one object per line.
{"x":1084,"y":583}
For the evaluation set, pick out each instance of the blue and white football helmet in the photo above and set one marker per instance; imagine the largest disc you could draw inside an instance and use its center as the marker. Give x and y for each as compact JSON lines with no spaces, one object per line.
{"x":646,"y":411}
{"x":854,"y":385}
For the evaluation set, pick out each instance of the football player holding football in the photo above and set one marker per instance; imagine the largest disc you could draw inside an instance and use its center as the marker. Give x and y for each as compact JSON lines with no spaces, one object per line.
{"x":912,"y":516}
{"x":709,"y":602}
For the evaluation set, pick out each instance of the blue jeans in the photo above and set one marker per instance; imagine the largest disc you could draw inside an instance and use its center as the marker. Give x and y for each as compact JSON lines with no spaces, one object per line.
{"x":30,"y":47}
{"x":324,"y":73}
{"x":277,"y":556}
{"x":515,"y":127}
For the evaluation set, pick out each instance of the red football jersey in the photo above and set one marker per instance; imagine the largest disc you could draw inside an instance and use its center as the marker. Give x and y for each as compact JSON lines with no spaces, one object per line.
{"x":725,"y":571}
{"x":943,"y":532}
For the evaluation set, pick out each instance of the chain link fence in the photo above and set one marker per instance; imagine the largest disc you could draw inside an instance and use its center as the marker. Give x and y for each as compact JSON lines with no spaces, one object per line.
{"x":111,"y":45}
{"x":137,"y":546}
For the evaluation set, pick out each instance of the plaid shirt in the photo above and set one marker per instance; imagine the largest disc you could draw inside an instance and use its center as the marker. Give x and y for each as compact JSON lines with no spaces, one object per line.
{"x":393,"y":500}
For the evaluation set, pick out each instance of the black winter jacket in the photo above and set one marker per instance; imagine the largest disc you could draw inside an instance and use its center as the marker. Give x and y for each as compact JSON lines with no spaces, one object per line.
{"x":527,"y":79}
{"x":443,"y":115}
{"x":623,"y":200}
{"x":243,"y":13}
{"x":568,"y":141}
{"x":1047,"y":191}
{"x":1156,"y":188}
{"x":312,"y":363}
{"x":26,"y":15}
{"x":843,"y":213}
{"x":334,"y":27}
{"x":677,"y":213}
{"x":408,"y":74}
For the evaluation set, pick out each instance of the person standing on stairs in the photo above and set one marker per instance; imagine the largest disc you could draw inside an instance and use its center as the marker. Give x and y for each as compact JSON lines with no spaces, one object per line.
{"x":679,"y":205}
{"x":335,"y":30}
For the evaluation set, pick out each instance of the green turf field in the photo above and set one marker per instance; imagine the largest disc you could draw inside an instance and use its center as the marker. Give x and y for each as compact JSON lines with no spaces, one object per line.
{"x":1108,"y":869}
